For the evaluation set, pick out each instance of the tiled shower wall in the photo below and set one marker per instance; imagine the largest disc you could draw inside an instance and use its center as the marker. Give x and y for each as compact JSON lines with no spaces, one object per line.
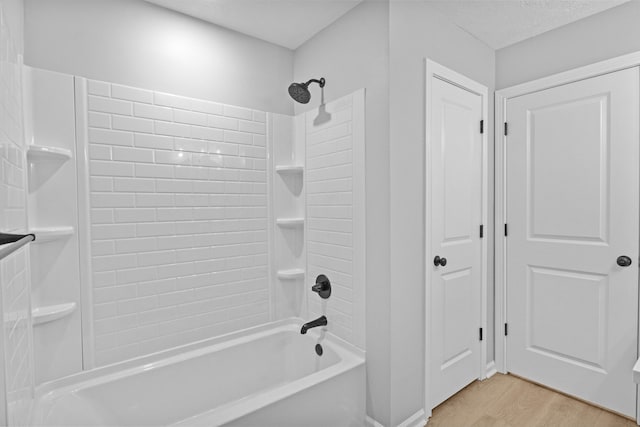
{"x":330,"y":210}
{"x":14,"y":270}
{"x":178,"y":219}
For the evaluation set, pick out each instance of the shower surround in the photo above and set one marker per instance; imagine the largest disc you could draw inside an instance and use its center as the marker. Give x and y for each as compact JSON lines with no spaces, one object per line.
{"x":201,"y":221}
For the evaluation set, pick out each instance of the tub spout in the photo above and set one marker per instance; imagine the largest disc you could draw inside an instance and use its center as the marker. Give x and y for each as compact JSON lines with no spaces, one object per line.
{"x":320,"y":321}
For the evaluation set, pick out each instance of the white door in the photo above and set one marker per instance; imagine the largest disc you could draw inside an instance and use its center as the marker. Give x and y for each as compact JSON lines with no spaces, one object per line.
{"x":456,"y":214}
{"x":572,"y":211}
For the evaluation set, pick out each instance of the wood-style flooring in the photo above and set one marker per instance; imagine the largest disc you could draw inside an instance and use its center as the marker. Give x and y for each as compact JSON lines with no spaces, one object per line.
{"x":508,"y":401}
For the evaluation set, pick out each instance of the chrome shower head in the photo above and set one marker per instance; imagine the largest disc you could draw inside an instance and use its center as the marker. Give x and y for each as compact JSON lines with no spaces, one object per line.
{"x":300,"y":91}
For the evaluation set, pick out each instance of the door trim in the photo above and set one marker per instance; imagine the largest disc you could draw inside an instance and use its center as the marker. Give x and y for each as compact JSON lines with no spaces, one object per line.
{"x":437,"y":71}
{"x":500,"y":254}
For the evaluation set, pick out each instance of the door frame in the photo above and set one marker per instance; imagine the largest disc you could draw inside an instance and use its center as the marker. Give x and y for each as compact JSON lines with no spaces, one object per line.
{"x":440,"y":72}
{"x":501,"y":97}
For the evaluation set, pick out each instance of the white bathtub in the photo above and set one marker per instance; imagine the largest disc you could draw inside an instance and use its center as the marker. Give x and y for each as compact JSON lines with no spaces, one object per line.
{"x":266,"y":376}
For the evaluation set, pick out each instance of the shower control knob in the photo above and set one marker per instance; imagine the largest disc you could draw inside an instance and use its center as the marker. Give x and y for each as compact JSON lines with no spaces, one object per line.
{"x":624,"y":261}
{"x":437,"y":261}
{"x":322,"y":286}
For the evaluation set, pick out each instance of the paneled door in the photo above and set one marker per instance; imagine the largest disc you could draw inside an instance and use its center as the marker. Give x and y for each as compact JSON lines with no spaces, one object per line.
{"x":572,"y":238}
{"x":455,"y":249}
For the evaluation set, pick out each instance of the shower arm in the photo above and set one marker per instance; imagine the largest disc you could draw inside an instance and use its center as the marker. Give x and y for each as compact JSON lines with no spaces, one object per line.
{"x":320,"y":82}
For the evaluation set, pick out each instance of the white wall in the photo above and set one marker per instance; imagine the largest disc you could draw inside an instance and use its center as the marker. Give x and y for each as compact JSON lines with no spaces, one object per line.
{"x":350,"y":54}
{"x":598,"y":37}
{"x":139,"y":44}
{"x":16,"y":376}
{"x":417,"y":31}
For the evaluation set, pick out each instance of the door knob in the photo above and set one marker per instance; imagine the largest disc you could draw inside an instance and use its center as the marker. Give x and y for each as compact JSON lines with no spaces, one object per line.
{"x":439,"y":261}
{"x":624,"y":261}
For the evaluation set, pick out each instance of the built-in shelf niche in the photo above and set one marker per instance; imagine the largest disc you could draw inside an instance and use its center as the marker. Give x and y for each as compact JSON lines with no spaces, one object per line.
{"x":290,"y":169}
{"x":45,"y":153}
{"x":50,"y":313}
{"x":290,"y":222}
{"x":291,"y":274}
{"x":49,"y":234}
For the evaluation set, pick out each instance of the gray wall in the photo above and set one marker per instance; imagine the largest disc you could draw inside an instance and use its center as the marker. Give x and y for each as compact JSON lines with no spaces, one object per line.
{"x":417,"y":31}
{"x":611,"y":33}
{"x":139,"y":44}
{"x":351,"y":54}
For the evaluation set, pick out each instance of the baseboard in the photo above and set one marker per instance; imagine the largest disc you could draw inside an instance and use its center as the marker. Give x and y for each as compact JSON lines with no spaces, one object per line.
{"x":491,"y":369}
{"x":418,"y":419}
{"x":370,"y":422}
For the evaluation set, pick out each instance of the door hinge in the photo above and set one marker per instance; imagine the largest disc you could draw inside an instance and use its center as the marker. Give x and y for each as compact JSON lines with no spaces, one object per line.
{"x":506,"y":129}
{"x":480,"y":334}
{"x":481,"y":231}
{"x":506,"y":329}
{"x":506,"y":230}
{"x":481,"y":126}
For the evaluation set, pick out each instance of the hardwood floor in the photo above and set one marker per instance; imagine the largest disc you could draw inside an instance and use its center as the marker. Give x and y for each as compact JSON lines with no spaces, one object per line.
{"x":508,"y":401}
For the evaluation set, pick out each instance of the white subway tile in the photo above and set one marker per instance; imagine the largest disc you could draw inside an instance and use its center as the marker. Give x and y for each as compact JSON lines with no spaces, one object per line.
{"x":135,"y":215}
{"x":172,"y":129}
{"x":238,"y":137}
{"x":101,"y":216}
{"x":174,"y":214}
{"x":98,"y":88}
{"x":189,"y":117}
{"x":253,"y":127}
{"x":237,"y":112}
{"x":131,"y":94}
{"x":156,"y":287}
{"x":187,"y":144}
{"x":153,"y":141}
{"x":106,"y":168}
{"x":152,"y":112}
{"x":112,"y":262}
{"x":112,"y":200}
{"x":134,"y":185}
{"x":174,"y":186}
{"x":259,"y":116}
{"x":108,"y":105}
{"x":175,"y":101}
{"x":127,"y":154}
{"x":112,"y":231}
{"x":206,"y":106}
{"x":260,"y":140}
{"x":155,"y":229}
{"x":156,"y":258}
{"x":135,"y":245}
{"x":221,"y":122}
{"x":133,"y":124}
{"x":172,"y":157}
{"x":99,"y":120}
{"x":207,"y":133}
{"x":223,"y":148}
{"x":110,"y":137}
{"x":135,"y":275}
{"x":154,"y":171}
{"x":101,"y":183}
{"x":155,"y":200}
{"x":99,"y":152}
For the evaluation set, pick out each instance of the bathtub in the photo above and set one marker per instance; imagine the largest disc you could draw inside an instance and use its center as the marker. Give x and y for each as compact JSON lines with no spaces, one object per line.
{"x":266,"y":376}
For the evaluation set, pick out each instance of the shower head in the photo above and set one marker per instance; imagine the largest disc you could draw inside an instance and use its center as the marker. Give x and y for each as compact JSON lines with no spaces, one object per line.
{"x":300,"y":91}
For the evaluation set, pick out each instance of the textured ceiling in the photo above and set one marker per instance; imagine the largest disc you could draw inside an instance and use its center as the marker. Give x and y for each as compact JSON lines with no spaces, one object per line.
{"x":500,"y":23}
{"x":287,"y":23}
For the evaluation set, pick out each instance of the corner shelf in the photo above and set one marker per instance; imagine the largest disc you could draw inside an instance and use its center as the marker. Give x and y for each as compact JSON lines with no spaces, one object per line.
{"x":289,"y":169}
{"x":49,"y":234}
{"x":49,"y":313}
{"x":291,"y":274}
{"x":42,"y":152}
{"x":290,"y":222}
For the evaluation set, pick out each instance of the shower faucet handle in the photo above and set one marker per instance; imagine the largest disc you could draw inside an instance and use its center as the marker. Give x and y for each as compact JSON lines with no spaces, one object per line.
{"x":322,"y":286}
